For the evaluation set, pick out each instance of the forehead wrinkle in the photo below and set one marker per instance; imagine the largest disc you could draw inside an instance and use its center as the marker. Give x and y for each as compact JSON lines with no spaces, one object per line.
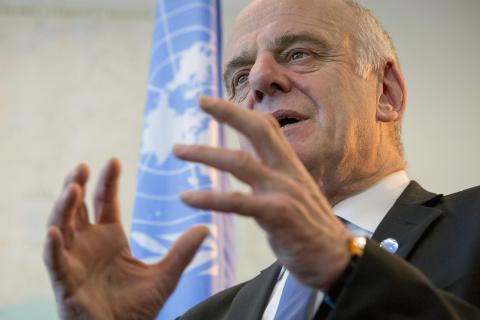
{"x":279,"y":43}
{"x":325,"y":26}
{"x":329,"y":26}
{"x":288,"y":38}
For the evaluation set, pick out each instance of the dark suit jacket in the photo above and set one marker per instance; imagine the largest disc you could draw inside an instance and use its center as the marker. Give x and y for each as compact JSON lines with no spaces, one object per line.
{"x":439,"y":237}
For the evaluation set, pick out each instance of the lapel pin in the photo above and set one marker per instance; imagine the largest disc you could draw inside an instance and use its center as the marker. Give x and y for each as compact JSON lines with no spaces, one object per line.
{"x":389,"y":244}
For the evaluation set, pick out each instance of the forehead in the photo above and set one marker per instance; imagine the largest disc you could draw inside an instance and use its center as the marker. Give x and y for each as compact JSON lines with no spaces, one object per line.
{"x":265,"y":20}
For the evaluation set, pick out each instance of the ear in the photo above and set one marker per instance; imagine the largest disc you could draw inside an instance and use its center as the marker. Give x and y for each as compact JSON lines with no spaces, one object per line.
{"x":393,"y":94}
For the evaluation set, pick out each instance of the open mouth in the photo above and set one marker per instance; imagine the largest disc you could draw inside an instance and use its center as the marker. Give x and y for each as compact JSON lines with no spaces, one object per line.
{"x":288,"y":117}
{"x":286,"y":121}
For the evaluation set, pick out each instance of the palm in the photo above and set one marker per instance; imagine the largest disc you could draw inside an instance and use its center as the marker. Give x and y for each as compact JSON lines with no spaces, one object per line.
{"x":92,"y":270}
{"x":100,"y":270}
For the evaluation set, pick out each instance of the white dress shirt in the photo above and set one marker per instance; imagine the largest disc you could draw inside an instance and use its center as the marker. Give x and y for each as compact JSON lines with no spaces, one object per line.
{"x":365,"y":209}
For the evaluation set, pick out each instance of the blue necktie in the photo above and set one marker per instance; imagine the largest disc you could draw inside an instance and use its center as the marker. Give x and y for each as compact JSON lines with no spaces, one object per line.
{"x":295,"y":300}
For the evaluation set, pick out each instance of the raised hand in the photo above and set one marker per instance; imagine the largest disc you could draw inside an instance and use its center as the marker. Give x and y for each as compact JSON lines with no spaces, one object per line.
{"x":92,"y":271}
{"x":285,"y":200}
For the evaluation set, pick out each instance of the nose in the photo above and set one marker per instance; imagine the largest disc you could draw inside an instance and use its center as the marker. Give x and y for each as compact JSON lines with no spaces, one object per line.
{"x":267,"y":78}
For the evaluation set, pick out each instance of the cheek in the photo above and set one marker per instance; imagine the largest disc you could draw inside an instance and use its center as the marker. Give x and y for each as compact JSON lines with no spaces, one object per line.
{"x":245,"y":100}
{"x":330,"y":114}
{"x":346,"y":105}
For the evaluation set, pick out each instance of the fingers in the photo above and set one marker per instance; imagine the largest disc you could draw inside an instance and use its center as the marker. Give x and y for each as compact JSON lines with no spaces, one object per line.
{"x":53,"y":254}
{"x":179,"y":256}
{"x":237,"y":202}
{"x":64,"y":210}
{"x":70,"y":213}
{"x":105,"y":198}
{"x":239,"y":163}
{"x":262,"y":131}
{"x":80,"y":177}
{"x":272,"y":212}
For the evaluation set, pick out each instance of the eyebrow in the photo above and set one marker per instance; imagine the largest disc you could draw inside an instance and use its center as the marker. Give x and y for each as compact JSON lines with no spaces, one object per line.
{"x":280,"y":43}
{"x":287,"y":39}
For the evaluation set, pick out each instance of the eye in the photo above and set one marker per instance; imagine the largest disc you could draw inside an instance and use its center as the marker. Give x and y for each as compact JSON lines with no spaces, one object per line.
{"x":239,"y":79}
{"x":238,"y":82}
{"x":297,"y":55}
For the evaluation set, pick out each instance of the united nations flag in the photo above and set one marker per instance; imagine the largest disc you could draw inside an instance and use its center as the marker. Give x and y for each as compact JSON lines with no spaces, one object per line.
{"x":185,"y":64}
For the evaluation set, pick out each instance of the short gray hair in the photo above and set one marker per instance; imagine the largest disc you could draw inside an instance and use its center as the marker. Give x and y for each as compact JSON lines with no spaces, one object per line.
{"x":373,"y":45}
{"x":373,"y":49}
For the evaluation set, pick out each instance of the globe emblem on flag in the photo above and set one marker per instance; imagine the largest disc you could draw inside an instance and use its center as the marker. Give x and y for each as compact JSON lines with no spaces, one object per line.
{"x":173,"y":117}
{"x":184,"y":65}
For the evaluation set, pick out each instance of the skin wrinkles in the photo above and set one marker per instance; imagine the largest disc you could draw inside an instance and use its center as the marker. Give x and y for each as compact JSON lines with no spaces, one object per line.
{"x":343,"y":144}
{"x":286,"y":41}
{"x":295,"y":172}
{"x":249,"y":23}
{"x":320,"y":53}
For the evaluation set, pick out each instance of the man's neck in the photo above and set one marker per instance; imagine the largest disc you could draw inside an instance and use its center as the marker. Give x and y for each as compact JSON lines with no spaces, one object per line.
{"x":337,"y":189}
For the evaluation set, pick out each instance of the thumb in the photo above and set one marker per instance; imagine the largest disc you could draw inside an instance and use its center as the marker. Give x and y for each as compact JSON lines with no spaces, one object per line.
{"x":179,"y":256}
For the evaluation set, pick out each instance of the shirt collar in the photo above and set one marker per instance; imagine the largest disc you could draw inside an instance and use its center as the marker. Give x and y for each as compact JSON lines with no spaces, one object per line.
{"x":367,"y":208}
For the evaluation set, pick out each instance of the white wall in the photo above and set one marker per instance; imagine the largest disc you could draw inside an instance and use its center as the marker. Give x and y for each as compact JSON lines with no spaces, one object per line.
{"x":438,"y":45}
{"x":72,"y":88}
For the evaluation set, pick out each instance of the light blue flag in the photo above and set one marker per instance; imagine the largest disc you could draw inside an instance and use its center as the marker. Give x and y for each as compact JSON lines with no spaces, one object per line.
{"x":185,"y":64}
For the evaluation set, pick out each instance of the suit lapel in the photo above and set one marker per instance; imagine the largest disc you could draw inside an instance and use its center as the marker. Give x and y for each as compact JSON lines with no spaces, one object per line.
{"x":408,"y":219}
{"x":251,"y":301}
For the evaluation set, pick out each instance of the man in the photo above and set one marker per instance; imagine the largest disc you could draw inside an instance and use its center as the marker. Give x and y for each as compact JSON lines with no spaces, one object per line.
{"x":321,"y":98}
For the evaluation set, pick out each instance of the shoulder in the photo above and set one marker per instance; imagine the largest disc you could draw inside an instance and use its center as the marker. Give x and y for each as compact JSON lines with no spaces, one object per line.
{"x":461,"y":213}
{"x":465,"y":203}
{"x":457,"y":213}
{"x":467,"y":198}
{"x":460,"y":202}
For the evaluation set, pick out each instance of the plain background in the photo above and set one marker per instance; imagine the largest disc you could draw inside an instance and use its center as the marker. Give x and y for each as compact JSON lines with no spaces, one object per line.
{"x":72,"y":89}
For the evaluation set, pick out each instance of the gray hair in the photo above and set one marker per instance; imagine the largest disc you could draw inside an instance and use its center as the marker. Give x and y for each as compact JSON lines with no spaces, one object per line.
{"x":373,"y":49}
{"x":373,"y":45}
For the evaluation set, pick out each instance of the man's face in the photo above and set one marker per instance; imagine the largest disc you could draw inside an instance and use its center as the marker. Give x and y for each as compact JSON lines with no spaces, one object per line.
{"x":294,"y":59}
